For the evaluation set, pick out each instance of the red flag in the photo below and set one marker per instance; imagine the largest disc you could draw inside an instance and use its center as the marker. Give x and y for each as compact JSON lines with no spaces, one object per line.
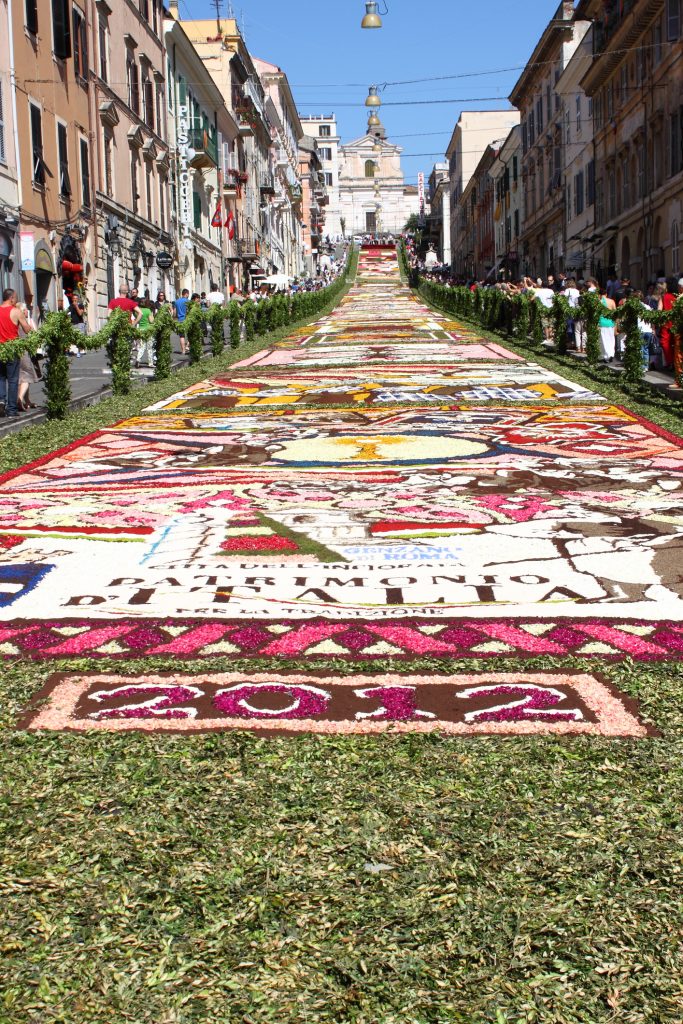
{"x":230,"y":224}
{"x":217,"y":220}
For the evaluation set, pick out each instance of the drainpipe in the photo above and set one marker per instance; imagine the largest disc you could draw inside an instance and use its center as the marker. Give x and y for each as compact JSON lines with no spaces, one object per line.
{"x":94,"y":160}
{"x":15,"y":126}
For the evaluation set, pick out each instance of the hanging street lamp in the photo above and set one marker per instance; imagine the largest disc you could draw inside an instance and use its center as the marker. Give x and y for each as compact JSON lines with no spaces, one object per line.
{"x":372,"y":18}
{"x":373,"y":99}
{"x":374,"y":121}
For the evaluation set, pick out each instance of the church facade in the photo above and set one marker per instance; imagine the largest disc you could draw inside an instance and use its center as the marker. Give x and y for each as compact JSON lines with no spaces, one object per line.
{"x":373,"y":195}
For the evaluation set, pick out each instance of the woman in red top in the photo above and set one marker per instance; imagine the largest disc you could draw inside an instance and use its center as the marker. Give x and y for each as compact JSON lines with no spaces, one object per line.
{"x":11,"y":319}
{"x":666,"y":339}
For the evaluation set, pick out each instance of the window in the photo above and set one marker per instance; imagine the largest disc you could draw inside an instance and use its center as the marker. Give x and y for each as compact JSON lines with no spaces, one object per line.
{"x":675,"y":249}
{"x":673,"y":20}
{"x":641,"y":170}
{"x":133,"y":83}
{"x":590,"y":183}
{"x":197,"y":209}
{"x":85,"y":174}
{"x":676,"y":137}
{"x":325,"y":153}
{"x":328,"y":177}
{"x":169,"y":81}
{"x":162,"y":204}
{"x":148,"y":100}
{"x":599,"y":202}
{"x":61,"y":29}
{"x":578,"y":114}
{"x":569,"y":201}
{"x":38,"y":168}
{"x":525,"y":138}
{"x":657,"y":44}
{"x":578,"y":193}
{"x":135,"y":195}
{"x":103,"y":40}
{"x":155,"y":17}
{"x":148,"y":188}
{"x":567,"y":129}
{"x":626,"y":185}
{"x":515,"y":169}
{"x":516,"y":223}
{"x":160,"y":110}
{"x":31,"y":12}
{"x":80,"y":40}
{"x":612,"y":193}
{"x":63,"y":158}
{"x":370,"y":168}
{"x":324,"y":131}
{"x":3,"y":151}
{"x":539,"y":114}
{"x":532,"y":128}
{"x":108,"y":144}
{"x":144,"y":9}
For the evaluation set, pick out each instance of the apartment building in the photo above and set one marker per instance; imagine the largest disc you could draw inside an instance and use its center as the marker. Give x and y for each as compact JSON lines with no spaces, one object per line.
{"x":10,"y":176}
{"x":578,"y":164}
{"x":506,"y":173}
{"x":542,"y":119}
{"x":132,"y":181}
{"x":281,"y":187}
{"x":474,"y":131}
{"x":635,"y":83}
{"x":314,"y":200}
{"x":439,"y":219}
{"x":323,"y":128}
{"x":199,"y":127}
{"x":50,"y":101}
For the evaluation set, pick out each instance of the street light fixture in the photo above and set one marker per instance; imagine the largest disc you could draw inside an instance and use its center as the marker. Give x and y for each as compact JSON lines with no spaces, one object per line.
{"x":373,"y":121}
{"x":373,"y":99}
{"x":372,"y":18}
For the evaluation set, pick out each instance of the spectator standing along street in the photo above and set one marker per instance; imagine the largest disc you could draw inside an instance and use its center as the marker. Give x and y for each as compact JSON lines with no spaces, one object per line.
{"x":11,"y":320}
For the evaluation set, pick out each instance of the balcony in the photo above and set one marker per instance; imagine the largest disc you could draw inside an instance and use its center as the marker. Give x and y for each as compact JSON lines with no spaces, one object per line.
{"x":205,"y":148}
{"x":248,"y":248}
{"x":267,"y":185}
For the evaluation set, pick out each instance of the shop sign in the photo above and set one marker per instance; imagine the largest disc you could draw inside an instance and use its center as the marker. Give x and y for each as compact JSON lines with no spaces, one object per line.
{"x":185,"y":179}
{"x":27,"y":249}
{"x":164,"y":260}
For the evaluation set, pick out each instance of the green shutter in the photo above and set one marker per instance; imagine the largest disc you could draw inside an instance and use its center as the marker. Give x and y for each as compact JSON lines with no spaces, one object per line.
{"x":197,"y":210}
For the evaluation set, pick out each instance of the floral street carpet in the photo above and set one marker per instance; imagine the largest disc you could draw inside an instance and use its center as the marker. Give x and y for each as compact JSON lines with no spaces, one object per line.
{"x":381,"y":484}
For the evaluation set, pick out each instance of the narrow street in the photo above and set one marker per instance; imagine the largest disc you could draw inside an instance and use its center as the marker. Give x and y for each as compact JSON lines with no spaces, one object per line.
{"x":381,"y":484}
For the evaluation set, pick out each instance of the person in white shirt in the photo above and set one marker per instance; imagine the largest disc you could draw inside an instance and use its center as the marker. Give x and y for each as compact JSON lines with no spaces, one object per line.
{"x":545,"y":295}
{"x":572,"y":295}
{"x":215,"y":297}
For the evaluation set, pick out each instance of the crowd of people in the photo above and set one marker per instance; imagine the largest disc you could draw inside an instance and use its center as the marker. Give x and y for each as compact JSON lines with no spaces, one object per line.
{"x":661,"y":294}
{"x":17,"y":375}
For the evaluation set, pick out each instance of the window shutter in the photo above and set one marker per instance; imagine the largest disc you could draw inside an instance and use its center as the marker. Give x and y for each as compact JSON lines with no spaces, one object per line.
{"x":85,"y":175}
{"x":61,"y":28}
{"x":197,"y":203}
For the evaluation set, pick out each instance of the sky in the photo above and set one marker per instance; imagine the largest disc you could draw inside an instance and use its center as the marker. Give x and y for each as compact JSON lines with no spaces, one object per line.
{"x":330,"y":61}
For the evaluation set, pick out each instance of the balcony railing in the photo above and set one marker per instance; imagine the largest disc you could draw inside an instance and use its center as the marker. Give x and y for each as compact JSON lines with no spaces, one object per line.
{"x":205,"y":148}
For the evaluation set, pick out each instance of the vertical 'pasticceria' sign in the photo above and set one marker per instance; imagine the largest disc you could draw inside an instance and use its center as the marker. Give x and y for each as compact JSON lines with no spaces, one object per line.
{"x":185,"y":181}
